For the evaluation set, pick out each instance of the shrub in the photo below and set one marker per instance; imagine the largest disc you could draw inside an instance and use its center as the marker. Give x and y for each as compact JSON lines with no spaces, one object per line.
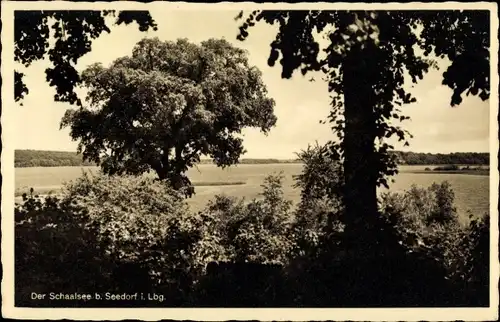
{"x":428,"y":224}
{"x":418,"y":213}
{"x":255,"y":231}
{"x":129,"y":233}
{"x":476,"y":260}
{"x":452,"y":167}
{"x":139,"y":224}
{"x":317,"y":216}
{"x":321,"y":176}
{"x":56,"y":250}
{"x":417,"y":210}
{"x":142,"y":220}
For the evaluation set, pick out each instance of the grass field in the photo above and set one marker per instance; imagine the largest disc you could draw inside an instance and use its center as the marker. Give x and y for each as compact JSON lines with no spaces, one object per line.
{"x":471,"y":190}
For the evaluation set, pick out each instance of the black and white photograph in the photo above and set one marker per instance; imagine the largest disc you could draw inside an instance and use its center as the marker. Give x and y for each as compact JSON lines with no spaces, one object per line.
{"x":302,"y":162}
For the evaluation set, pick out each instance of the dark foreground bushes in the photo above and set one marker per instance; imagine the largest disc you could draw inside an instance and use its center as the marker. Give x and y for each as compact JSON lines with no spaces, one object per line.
{"x":429,"y":224}
{"x":127,"y":235}
{"x":111,"y":234}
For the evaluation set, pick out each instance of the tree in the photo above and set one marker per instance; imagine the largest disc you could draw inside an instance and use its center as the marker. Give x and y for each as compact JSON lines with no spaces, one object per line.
{"x":368,"y":55}
{"x":168,"y":104}
{"x":73,"y":32}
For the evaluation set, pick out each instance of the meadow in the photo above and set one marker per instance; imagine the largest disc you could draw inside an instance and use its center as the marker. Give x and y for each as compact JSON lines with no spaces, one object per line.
{"x":244,"y":180}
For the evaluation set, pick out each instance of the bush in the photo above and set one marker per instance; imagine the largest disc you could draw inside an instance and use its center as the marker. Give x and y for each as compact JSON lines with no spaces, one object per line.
{"x":255,"y":236}
{"x":56,"y":250}
{"x":475,"y":270}
{"x":317,"y":216}
{"x":138,"y":234}
{"x":141,"y":220}
{"x":417,"y":210}
{"x":429,"y":224}
{"x":256,"y":231}
{"x":423,"y":220}
{"x":420,"y":214}
{"x":452,"y":167}
{"x":133,"y":224}
{"x":321,"y":177}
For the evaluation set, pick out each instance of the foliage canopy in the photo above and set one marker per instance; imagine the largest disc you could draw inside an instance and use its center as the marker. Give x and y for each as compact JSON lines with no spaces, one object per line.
{"x":74,"y":32}
{"x":168,"y":104}
{"x":386,"y":45}
{"x":368,"y":57}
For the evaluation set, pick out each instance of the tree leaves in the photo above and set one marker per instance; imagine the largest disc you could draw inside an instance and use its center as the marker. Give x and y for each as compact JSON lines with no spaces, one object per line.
{"x":389,"y":39}
{"x":464,"y":38}
{"x":166,"y":105}
{"x":73,"y":31}
{"x":20,"y":89}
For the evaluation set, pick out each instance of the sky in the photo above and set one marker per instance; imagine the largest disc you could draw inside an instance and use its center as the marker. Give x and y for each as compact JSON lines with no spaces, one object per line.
{"x":300,"y":104}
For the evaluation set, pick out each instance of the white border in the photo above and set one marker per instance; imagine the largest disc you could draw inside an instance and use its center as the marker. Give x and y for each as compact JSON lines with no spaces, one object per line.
{"x":7,"y":167}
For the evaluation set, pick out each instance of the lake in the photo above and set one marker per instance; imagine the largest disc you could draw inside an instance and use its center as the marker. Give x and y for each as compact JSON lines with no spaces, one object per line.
{"x":471,"y":191}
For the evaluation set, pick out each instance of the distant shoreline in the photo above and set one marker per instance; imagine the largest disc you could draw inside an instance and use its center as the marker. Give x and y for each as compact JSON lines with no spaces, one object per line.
{"x":38,"y":158}
{"x":457,"y":169}
{"x":198,"y":164}
{"x":469,"y":172}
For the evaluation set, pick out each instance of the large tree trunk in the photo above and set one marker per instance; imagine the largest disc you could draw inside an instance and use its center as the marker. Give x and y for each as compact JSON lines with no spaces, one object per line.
{"x":161,"y":172}
{"x":359,"y":71}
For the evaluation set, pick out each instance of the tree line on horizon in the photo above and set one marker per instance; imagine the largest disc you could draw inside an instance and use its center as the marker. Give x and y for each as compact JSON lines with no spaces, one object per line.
{"x":38,"y":158}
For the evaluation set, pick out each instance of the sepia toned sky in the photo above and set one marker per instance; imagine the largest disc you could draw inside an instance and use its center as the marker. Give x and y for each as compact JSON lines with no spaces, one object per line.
{"x":300,"y":104}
